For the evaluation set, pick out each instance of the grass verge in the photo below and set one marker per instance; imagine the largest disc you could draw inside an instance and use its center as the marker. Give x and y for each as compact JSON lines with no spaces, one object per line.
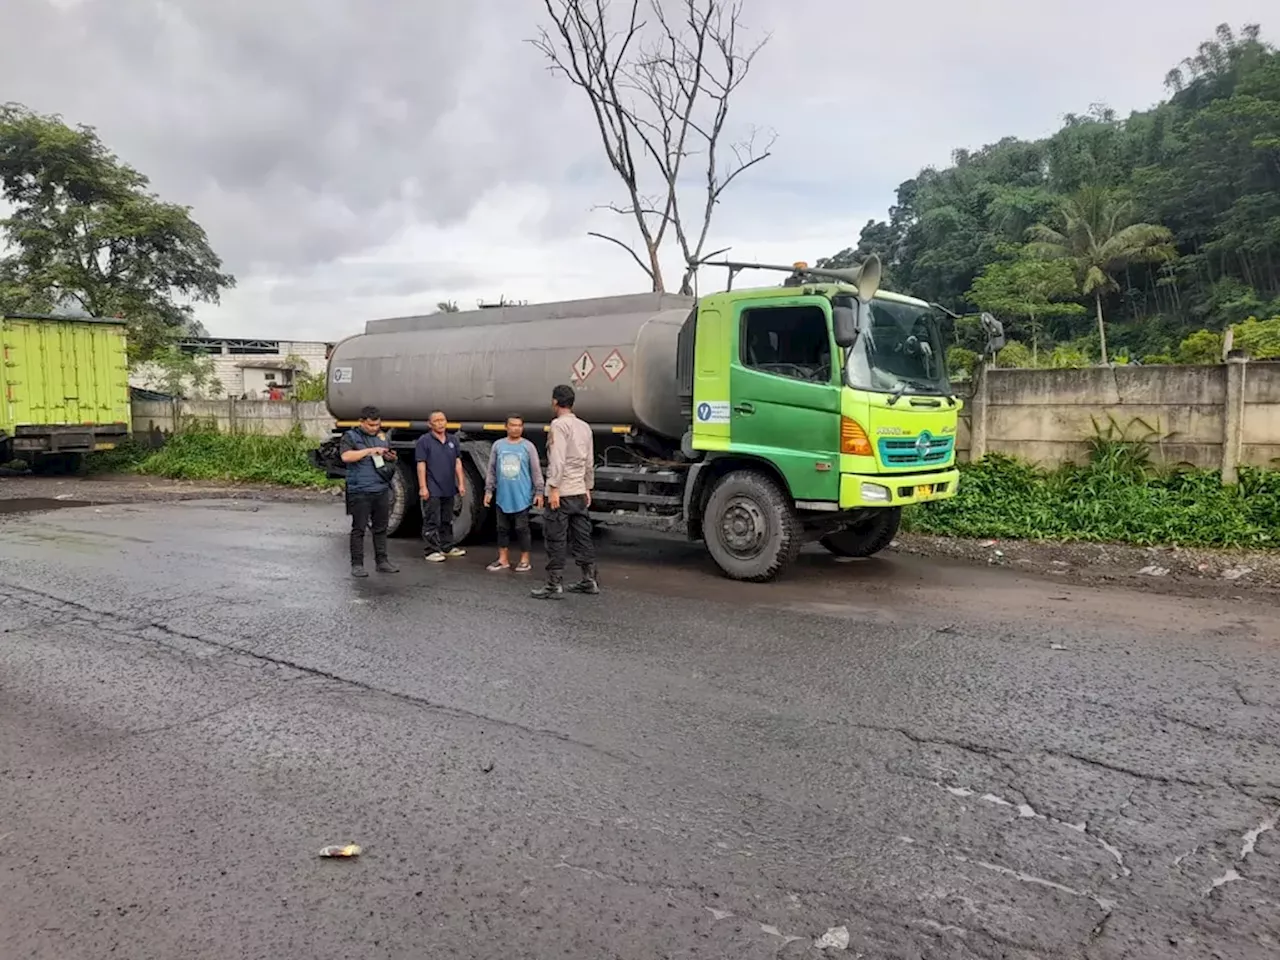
{"x":230,"y":458}
{"x":1117,"y":497}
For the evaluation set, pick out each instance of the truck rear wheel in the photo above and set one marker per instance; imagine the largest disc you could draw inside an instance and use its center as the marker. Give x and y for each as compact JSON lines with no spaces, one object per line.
{"x":866,"y":537}
{"x":750,"y":526}
{"x":468,"y":509}
{"x":56,"y":464}
{"x":403,"y":505}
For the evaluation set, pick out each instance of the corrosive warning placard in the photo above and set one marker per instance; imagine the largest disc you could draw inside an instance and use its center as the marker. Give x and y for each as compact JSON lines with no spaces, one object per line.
{"x":583,"y":366}
{"x":613,"y":365}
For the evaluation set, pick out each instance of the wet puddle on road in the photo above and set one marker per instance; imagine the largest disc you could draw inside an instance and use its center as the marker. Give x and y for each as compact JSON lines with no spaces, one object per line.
{"x":41,"y":504}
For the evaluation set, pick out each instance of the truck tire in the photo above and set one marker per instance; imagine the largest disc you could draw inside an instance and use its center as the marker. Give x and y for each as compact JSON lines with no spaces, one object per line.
{"x":750,"y":526}
{"x":468,"y":510}
{"x":404,"y":506}
{"x":867,"y":537}
{"x":56,"y":464}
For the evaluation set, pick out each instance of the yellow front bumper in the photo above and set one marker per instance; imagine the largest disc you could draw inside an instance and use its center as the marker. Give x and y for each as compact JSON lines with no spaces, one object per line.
{"x":897,"y":490}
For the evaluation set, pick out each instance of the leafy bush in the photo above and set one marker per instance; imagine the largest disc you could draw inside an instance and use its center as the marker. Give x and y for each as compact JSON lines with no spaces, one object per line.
{"x":1014,"y":354}
{"x":1117,"y":497}
{"x":961,"y":362}
{"x":1259,"y":338}
{"x":199,"y":453}
{"x":1067,"y":357}
{"x":1201,"y":347}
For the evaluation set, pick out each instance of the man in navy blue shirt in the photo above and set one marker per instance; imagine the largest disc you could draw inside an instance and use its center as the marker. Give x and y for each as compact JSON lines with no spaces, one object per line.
{"x":440,"y":481}
{"x":370,"y":463}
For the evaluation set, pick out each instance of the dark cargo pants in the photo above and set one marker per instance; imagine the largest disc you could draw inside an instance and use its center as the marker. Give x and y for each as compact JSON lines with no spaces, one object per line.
{"x":568,"y":531}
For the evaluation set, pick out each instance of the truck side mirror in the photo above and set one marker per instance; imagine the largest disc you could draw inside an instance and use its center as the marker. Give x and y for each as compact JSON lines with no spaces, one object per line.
{"x":844,"y":324}
{"x":994,"y":330}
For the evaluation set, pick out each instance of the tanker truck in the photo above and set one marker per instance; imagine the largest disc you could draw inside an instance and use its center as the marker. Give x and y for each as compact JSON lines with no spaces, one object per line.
{"x":753,"y":420}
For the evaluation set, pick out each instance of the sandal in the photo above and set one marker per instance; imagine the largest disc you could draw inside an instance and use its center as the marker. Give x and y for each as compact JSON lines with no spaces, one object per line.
{"x":524,"y":568}
{"x":498,"y":565}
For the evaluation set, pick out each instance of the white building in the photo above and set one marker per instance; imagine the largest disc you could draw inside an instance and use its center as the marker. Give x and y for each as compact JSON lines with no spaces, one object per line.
{"x":246,"y":369}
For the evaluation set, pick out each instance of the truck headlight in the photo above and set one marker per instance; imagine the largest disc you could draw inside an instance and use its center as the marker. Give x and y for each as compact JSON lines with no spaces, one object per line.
{"x":875,"y":493}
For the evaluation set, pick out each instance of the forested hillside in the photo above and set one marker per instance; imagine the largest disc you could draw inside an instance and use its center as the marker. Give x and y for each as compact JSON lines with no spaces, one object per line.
{"x":1160,"y":224}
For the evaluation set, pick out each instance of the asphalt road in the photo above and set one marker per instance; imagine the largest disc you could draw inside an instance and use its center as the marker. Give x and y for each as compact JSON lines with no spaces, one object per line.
{"x":922,"y":760}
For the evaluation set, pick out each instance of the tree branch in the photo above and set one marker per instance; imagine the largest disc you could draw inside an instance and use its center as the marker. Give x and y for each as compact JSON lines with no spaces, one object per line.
{"x":634,"y":256}
{"x":656,"y":88}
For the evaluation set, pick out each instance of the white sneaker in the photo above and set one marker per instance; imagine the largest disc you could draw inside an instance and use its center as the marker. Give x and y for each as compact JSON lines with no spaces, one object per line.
{"x":457,"y":552}
{"x":436,"y":557}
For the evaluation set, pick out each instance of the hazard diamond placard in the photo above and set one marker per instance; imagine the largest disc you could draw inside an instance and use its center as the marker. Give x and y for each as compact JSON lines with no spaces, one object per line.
{"x":583,"y":366}
{"x":613,"y":365}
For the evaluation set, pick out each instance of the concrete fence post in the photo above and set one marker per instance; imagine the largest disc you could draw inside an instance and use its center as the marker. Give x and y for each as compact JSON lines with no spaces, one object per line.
{"x":1233,"y":420}
{"x":978,"y":415}
{"x":231,"y":415}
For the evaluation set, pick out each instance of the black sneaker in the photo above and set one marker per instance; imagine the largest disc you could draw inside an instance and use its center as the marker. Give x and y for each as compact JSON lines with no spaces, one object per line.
{"x":386,"y":566}
{"x":358,"y":570}
{"x":550,"y":591}
{"x":589,"y":587}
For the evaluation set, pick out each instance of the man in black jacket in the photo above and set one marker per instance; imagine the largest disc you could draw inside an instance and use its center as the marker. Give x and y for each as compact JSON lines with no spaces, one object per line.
{"x":370,"y":465}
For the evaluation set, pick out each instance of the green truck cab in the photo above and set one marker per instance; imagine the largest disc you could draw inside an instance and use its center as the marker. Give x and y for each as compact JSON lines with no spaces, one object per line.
{"x":839,"y":391}
{"x":64,"y":389}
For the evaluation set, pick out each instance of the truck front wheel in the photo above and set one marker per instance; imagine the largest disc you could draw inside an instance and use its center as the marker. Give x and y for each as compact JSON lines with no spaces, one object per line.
{"x":866,"y":537}
{"x":750,"y":526}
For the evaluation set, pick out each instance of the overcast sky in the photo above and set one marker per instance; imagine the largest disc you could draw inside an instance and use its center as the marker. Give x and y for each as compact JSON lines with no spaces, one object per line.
{"x":361,"y":158}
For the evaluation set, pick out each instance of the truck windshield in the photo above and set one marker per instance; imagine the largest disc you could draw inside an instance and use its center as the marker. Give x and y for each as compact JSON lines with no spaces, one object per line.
{"x":899,"y":350}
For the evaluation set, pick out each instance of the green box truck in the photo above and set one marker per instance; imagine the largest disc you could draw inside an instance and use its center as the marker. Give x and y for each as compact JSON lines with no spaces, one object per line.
{"x":64,"y":389}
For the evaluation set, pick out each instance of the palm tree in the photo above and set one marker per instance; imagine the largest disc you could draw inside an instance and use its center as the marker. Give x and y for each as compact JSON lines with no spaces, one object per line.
{"x":1098,"y":237}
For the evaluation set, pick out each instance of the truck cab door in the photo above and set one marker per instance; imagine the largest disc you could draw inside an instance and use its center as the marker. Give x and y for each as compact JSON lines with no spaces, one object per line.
{"x":785,"y":392}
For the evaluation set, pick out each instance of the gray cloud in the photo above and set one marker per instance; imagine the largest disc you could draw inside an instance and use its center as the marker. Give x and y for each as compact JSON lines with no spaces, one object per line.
{"x":307,"y":131}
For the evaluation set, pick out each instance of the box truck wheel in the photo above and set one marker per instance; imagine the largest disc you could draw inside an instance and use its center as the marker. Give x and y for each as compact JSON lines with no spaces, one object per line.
{"x":750,"y":526}
{"x":866,"y":537}
{"x":56,"y":464}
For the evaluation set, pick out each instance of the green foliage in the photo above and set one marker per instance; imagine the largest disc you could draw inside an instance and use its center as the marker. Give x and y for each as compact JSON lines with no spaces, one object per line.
{"x":182,"y":374}
{"x":962,"y":362}
{"x":1068,"y":357}
{"x":201,"y":453}
{"x":1097,"y":237}
{"x":1196,"y":177}
{"x":86,"y":234}
{"x":307,"y":386}
{"x":1015,"y":355}
{"x":1027,"y":289}
{"x":1116,"y":498}
{"x":1201,"y":347}
{"x":1259,"y":338}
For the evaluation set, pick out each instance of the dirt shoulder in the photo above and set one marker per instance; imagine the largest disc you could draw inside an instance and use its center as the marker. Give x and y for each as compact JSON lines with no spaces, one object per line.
{"x":24,"y":494}
{"x":1188,"y":571}
{"x":1191,"y":572}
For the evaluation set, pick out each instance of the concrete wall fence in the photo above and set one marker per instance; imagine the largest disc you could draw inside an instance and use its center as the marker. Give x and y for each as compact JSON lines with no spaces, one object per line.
{"x":274,"y":418}
{"x":1216,"y":417}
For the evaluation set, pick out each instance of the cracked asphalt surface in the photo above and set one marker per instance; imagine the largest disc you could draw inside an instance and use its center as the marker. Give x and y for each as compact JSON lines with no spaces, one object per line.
{"x":944,"y":760}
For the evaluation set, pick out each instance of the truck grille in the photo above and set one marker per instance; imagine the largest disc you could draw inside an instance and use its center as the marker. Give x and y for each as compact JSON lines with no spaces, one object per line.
{"x":918,"y":451}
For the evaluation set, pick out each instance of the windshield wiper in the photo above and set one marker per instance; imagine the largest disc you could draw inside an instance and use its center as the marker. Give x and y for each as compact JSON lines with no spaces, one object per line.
{"x":904,"y":382}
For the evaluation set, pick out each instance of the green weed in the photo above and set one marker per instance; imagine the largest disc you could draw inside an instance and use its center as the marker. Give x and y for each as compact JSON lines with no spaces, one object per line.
{"x":198,"y":453}
{"x":1117,"y":497}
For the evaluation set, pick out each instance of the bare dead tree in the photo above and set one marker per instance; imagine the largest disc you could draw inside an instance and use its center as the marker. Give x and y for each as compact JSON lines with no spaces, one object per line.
{"x":660,"y":91}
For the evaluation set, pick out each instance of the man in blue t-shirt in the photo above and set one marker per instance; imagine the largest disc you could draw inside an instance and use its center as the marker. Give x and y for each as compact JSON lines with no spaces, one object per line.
{"x":514,"y":478}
